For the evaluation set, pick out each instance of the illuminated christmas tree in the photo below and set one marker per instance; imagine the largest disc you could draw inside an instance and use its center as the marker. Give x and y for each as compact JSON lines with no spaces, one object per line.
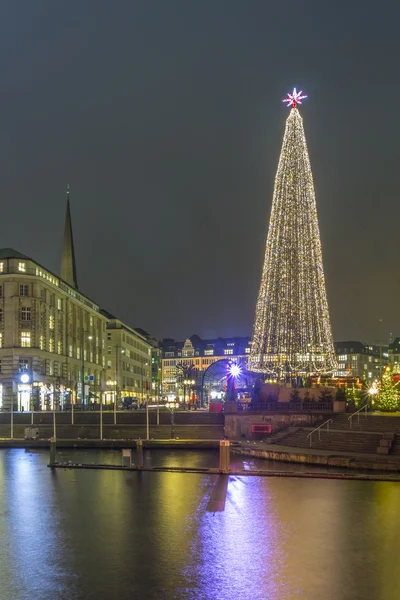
{"x":388,"y":396}
{"x":292,"y":331}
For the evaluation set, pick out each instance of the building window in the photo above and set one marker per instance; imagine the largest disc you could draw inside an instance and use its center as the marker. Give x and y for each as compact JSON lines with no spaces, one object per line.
{"x":59,"y":347}
{"x":0,"y":370}
{"x":365,"y":366}
{"x":51,"y":345}
{"x":26,"y":313}
{"x":78,"y":352}
{"x":26,"y":339}
{"x":1,"y":291}
{"x":59,"y":303}
{"x":1,"y":315}
{"x":208,"y":352}
{"x":228,"y":351}
{"x":108,"y":349}
{"x":43,"y":295}
{"x":24,"y":289}
{"x":1,"y":267}
{"x":51,"y":322}
{"x":343,"y":357}
{"x":355,"y":357}
{"x":70,"y":351}
{"x":1,"y":339}
{"x":41,"y":342}
{"x":23,"y":365}
{"x":21,"y":267}
{"x":231,"y":344}
{"x":247,"y":350}
{"x":171,"y":354}
{"x":109,"y":336}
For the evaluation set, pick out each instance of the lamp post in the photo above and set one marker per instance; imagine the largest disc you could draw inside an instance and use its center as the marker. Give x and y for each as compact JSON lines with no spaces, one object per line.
{"x":187,"y":383}
{"x":83,"y":363}
{"x":172,"y":406}
{"x":118,"y":351}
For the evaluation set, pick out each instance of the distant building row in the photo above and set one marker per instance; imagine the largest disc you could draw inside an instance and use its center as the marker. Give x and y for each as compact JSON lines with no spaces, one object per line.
{"x":354,"y":358}
{"x":57,"y":346}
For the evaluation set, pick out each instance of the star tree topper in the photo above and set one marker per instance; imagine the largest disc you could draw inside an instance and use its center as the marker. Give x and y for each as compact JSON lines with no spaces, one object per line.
{"x":294,"y":98}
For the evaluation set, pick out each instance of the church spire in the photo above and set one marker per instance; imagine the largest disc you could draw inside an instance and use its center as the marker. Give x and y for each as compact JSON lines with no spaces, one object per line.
{"x":68,"y":266}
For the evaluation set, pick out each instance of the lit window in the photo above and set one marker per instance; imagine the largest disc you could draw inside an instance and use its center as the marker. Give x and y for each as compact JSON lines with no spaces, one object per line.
{"x":1,"y":267}
{"x":51,"y":322}
{"x":208,"y":352}
{"x":41,"y":342}
{"x":354,"y":357}
{"x":108,"y":349}
{"x":51,"y":345}
{"x":365,"y":366}
{"x":26,"y":339}
{"x":78,"y":353}
{"x":247,"y":350}
{"x":59,"y":303}
{"x":26,"y":313}
{"x":70,"y":351}
{"x":231,"y":344}
{"x":1,"y":339}
{"x":23,"y":365}
{"x":343,"y":357}
{"x":1,"y":291}
{"x":59,"y":347}
{"x":23,"y":290}
{"x":21,"y":267}
{"x":228,"y":351}
{"x":1,"y":315}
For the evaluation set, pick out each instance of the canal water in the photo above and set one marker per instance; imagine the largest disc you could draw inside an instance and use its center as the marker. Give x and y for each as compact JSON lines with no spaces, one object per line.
{"x":100,"y":535}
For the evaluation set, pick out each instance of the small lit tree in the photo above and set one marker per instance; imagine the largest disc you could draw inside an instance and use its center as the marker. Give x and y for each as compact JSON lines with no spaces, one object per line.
{"x":388,"y":396}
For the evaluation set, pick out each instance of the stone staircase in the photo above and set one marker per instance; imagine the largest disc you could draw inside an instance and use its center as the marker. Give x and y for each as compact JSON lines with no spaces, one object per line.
{"x":372,"y":434}
{"x":341,"y":441}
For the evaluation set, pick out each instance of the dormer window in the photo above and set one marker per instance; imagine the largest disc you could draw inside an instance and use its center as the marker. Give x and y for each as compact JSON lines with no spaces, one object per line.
{"x":22,"y":267}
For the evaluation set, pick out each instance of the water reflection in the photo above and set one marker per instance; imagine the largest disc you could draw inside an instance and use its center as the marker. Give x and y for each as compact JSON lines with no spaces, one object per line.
{"x":106,"y":535}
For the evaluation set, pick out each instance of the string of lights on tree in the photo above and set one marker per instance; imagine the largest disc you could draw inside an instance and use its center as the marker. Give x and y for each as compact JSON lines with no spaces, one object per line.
{"x":292,"y":331}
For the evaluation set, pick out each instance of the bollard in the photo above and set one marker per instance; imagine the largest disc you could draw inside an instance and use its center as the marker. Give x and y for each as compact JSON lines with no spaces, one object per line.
{"x":139,"y":454}
{"x":224,"y":465}
{"x":52,"y":441}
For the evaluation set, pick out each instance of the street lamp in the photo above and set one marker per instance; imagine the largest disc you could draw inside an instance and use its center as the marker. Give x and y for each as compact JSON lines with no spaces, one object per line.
{"x":189,"y":383}
{"x":90,"y":337}
{"x":172,"y":406}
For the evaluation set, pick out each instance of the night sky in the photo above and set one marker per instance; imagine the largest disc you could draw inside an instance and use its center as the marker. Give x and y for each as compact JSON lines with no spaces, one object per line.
{"x":165,"y":117}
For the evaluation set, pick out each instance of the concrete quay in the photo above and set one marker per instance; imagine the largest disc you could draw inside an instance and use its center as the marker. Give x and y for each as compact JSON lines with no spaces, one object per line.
{"x":311,"y":456}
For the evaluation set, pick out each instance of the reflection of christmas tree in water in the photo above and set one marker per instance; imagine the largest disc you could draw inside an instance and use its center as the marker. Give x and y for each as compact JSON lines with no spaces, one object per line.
{"x":292,"y":331}
{"x":388,"y":396}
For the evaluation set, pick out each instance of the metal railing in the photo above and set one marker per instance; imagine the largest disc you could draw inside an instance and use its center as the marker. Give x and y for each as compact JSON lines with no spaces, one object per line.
{"x":319,"y":430}
{"x":306,"y":406}
{"x":350,"y":418}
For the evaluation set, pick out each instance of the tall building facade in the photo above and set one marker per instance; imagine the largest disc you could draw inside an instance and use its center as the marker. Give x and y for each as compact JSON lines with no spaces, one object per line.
{"x":195,"y":356}
{"x":128,"y":356}
{"x":51,"y":337}
{"x":292,"y":331}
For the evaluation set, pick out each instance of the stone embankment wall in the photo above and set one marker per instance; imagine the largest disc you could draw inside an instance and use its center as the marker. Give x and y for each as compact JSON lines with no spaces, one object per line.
{"x":238,"y":426}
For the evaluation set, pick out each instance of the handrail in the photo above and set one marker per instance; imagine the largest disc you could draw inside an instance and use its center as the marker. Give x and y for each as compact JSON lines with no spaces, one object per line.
{"x":358,"y":414}
{"x":319,"y":429}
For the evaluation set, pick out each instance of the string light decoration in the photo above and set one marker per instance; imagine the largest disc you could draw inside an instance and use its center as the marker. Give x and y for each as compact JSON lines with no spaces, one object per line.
{"x":292,"y":332}
{"x":388,"y":395}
